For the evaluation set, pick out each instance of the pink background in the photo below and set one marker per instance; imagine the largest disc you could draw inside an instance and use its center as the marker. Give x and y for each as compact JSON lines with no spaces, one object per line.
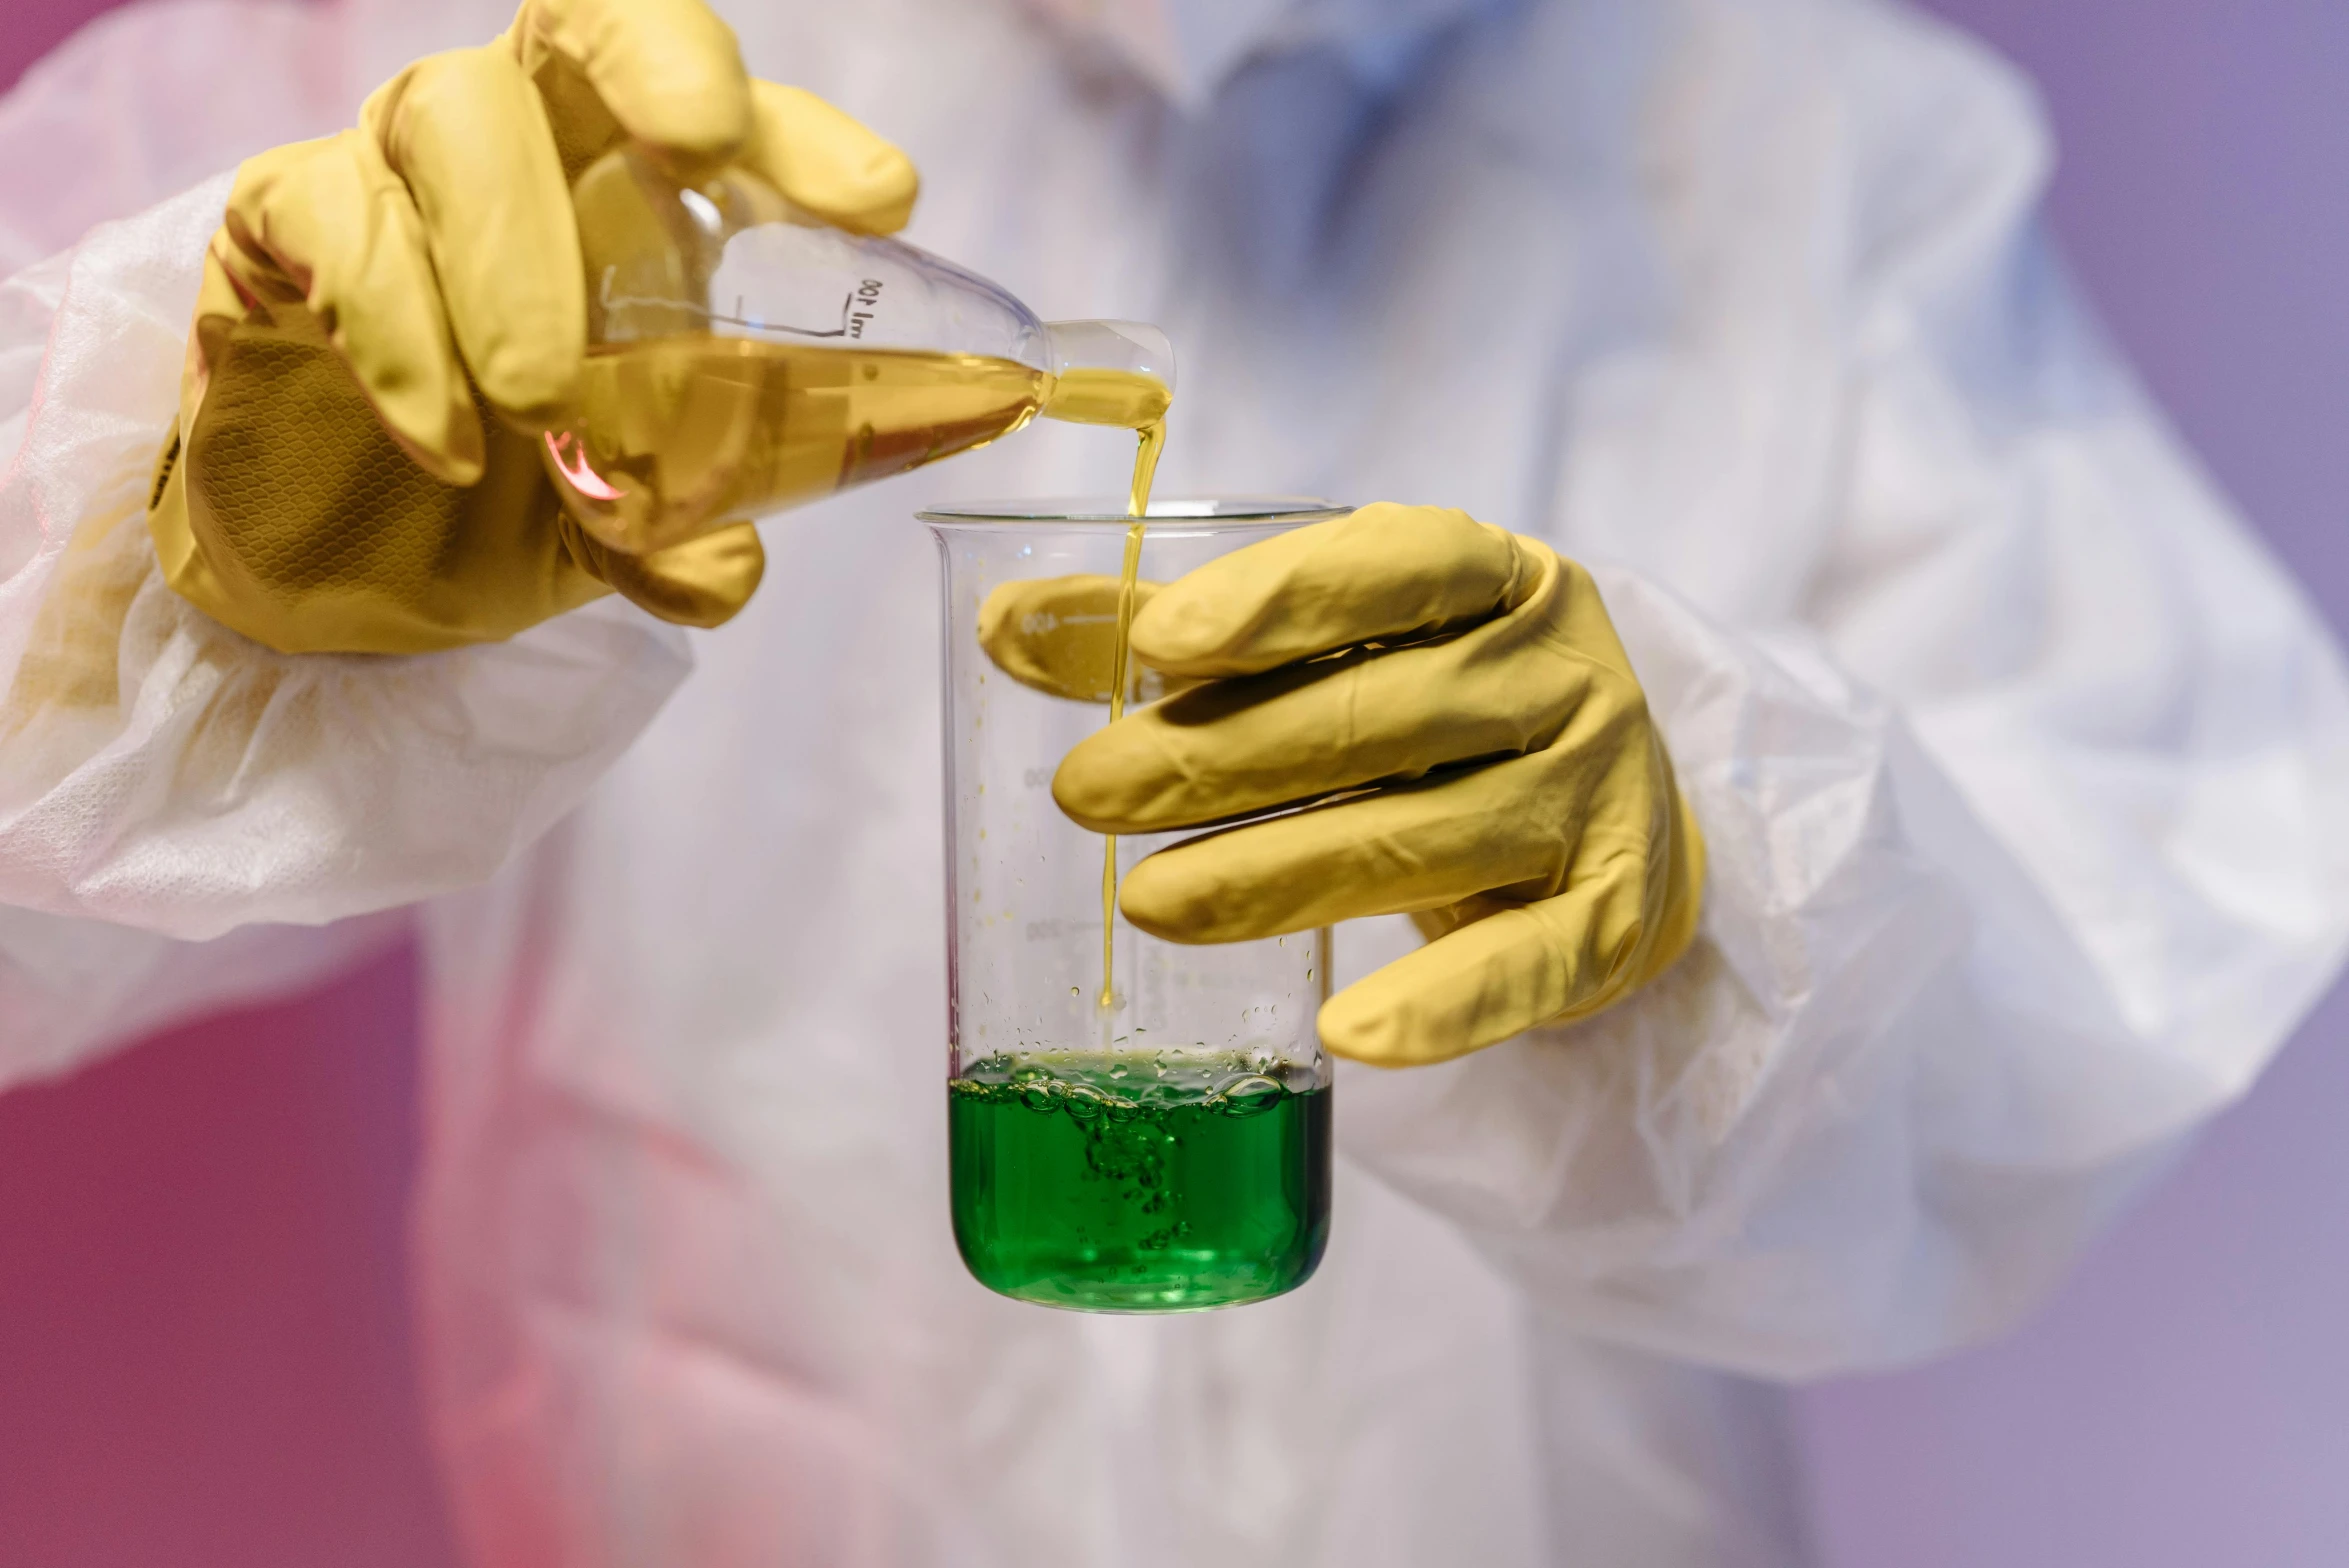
{"x":204,"y":1359}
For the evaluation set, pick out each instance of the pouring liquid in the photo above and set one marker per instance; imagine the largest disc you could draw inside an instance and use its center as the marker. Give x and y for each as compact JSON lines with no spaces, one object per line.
{"x":1115,"y":1178}
{"x":1137,"y":403}
{"x":677,"y":436}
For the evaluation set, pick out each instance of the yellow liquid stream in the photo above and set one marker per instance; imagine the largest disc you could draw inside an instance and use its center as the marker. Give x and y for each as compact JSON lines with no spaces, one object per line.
{"x":677,"y":436}
{"x":1137,"y":403}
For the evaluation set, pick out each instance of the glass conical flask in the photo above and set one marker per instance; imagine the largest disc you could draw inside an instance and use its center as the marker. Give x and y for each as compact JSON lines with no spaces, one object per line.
{"x":745,"y":357}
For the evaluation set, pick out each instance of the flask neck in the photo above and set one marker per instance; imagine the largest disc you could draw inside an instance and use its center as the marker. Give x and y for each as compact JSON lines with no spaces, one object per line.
{"x":1108,"y":373}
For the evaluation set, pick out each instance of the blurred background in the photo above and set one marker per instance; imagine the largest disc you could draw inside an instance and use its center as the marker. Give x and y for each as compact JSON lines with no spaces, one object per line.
{"x":204,"y":1358}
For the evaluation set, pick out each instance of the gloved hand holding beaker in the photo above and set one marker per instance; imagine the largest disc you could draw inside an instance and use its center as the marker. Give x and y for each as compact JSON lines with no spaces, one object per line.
{"x":1452,"y":708}
{"x":390,"y":315}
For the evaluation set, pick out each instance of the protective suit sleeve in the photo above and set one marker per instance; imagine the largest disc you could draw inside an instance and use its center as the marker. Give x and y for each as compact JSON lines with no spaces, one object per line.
{"x":160,"y":773}
{"x":2029,"y":834}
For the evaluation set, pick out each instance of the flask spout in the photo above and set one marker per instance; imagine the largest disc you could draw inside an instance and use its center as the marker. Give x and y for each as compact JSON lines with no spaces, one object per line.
{"x":1108,"y":373}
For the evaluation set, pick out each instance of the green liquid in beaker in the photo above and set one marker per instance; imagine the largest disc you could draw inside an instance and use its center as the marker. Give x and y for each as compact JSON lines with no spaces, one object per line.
{"x":1134,"y":1183}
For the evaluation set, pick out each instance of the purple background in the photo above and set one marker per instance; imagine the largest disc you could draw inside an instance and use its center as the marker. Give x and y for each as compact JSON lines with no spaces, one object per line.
{"x":2186,"y":1400}
{"x":203,"y":1352}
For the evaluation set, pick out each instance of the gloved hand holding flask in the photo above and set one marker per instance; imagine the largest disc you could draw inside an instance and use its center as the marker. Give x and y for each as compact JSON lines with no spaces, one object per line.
{"x":391,"y":315}
{"x":561,"y":316}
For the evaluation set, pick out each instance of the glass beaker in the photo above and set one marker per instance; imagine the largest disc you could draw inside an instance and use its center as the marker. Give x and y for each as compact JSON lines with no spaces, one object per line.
{"x":1169,"y":1150}
{"x":744,"y":357}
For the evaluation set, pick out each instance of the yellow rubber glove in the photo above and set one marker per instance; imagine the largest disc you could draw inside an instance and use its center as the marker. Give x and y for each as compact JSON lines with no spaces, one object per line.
{"x":391,"y":315}
{"x":1461,"y":693}
{"x":1058,"y":635}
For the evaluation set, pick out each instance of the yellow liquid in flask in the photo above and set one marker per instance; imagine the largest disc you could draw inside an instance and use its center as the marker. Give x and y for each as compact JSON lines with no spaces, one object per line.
{"x":677,"y":436}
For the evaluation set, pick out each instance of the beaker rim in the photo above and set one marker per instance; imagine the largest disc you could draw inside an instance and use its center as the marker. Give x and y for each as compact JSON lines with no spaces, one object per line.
{"x":1218,"y":511}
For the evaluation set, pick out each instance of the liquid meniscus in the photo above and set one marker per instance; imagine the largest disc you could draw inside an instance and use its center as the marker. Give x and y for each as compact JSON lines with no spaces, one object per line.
{"x":1120,"y":1182}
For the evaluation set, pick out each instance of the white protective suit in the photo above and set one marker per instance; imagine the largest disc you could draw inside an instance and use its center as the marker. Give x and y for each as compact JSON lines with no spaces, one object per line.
{"x":2024,"y":771}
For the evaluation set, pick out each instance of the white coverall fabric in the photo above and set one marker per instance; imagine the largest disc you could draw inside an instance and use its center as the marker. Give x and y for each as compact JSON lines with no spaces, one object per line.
{"x":2024,"y":771}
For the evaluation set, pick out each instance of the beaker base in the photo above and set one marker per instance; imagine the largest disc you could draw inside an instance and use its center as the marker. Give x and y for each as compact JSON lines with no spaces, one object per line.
{"x":1177,"y":1285}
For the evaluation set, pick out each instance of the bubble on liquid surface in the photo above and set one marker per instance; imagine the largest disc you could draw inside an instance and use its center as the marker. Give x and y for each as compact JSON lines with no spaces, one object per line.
{"x":1247,"y":1096}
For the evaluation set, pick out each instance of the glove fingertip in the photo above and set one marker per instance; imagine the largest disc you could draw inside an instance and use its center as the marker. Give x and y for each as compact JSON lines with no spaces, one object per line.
{"x":535,"y":382}
{"x":1358,"y":1026}
{"x":667,"y":72}
{"x":1087,"y":786}
{"x":1162,"y":900}
{"x":702,"y":584}
{"x":829,"y":162}
{"x":1181,"y":633}
{"x":1462,"y":992}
